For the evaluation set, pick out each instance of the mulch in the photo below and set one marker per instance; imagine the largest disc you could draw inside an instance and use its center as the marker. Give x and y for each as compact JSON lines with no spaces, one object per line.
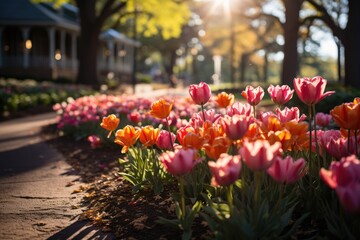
{"x":109,"y":201}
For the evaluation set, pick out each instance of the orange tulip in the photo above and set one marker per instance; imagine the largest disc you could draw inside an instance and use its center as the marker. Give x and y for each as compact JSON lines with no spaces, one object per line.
{"x":224,"y":100}
{"x":347,"y":115}
{"x":127,"y":137}
{"x":110,"y":123}
{"x":161,"y":109}
{"x":299,"y":135}
{"x":218,"y":146}
{"x":149,"y":135}
{"x":193,"y":140}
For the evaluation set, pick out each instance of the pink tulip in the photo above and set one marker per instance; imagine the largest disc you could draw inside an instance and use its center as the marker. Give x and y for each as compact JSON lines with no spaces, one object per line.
{"x":259,"y":155}
{"x":95,"y":141}
{"x":253,"y":95}
{"x":288,"y":114}
{"x":197,"y":119}
{"x":344,"y":177}
{"x":280,"y":94}
{"x":225,"y":170}
{"x":286,"y":170}
{"x":338,"y":148}
{"x":163,"y":140}
{"x":241,"y":109}
{"x":342,"y":173}
{"x":349,"y":197}
{"x":311,"y":90}
{"x":323,"y":119}
{"x":236,"y":126}
{"x":200,"y":93}
{"x":179,"y":162}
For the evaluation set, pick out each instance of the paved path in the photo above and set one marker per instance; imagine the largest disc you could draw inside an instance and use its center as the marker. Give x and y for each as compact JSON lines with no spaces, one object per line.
{"x":34,"y":200}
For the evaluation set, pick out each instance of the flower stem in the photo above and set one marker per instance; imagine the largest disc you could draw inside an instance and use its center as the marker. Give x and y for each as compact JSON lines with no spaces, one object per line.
{"x":254,"y":111}
{"x":356,"y":144}
{"x":230,"y":198}
{"x":203,"y":112}
{"x":258,"y":182}
{"x":168,"y":125}
{"x":349,"y":133}
{"x":310,"y":135}
{"x":182,"y":193}
{"x":316,"y":142}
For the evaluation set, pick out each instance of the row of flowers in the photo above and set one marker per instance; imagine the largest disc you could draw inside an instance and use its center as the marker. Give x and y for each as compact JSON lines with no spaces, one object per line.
{"x":247,"y":173}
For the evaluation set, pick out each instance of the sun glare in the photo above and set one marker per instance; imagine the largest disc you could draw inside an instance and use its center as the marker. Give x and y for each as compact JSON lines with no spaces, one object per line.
{"x":221,"y":7}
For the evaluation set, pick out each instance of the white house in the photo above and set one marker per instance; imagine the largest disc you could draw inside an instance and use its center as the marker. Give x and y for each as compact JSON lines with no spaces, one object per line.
{"x":40,"y":41}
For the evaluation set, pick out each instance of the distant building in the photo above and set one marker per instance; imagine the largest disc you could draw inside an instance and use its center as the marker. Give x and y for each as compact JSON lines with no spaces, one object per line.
{"x":40,"y":41}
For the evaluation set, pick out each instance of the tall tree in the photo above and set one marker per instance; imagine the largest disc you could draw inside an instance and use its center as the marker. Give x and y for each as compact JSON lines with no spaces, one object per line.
{"x":349,"y":36}
{"x":164,"y":17}
{"x":291,"y":28}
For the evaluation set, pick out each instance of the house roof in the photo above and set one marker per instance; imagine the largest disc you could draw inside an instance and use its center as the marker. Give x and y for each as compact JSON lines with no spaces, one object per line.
{"x":116,"y":36}
{"x":26,"y":13}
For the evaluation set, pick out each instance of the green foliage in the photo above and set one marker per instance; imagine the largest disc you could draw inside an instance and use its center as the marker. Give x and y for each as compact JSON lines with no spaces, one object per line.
{"x":17,"y":95}
{"x":142,"y":169}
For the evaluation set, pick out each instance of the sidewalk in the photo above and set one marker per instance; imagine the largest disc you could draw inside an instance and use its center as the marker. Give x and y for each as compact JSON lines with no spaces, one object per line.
{"x":34,"y":200}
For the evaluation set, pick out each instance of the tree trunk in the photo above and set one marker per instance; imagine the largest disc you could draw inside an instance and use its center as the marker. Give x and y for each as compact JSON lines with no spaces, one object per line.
{"x":88,"y":44}
{"x":338,"y":60}
{"x":352,"y":46}
{"x":266,"y":66}
{"x":243,"y":64}
{"x":291,"y":26}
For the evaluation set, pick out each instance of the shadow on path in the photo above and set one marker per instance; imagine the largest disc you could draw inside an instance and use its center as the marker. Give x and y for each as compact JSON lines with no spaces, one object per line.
{"x":81,"y":230}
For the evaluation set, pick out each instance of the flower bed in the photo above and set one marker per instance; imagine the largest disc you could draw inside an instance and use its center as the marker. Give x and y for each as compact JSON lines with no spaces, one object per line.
{"x":233,"y":170}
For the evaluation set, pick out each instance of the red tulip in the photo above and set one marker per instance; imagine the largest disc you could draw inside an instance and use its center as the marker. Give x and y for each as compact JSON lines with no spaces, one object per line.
{"x":311,"y":90}
{"x":179,"y":162}
{"x":253,"y":95}
{"x":280,"y":94}
{"x":286,"y":170}
{"x":200,"y":93}
{"x":225,"y":170}
{"x":259,"y":155}
{"x":95,"y":141}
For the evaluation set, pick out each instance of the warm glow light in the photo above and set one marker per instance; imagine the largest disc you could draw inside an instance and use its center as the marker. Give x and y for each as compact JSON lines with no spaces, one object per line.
{"x":222,"y":6}
{"x":58,"y":55}
{"x":28,"y":44}
{"x":122,"y":53}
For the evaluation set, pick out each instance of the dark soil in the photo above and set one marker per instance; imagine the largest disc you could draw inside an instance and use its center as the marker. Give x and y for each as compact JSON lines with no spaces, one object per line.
{"x":110,"y":202}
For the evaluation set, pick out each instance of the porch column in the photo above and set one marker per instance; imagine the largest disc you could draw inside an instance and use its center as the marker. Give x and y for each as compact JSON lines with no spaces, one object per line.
{"x":110,"y":45}
{"x":73,"y":51}
{"x":62,"y":49}
{"x":25,"y":35}
{"x":51,"y":32}
{"x":1,"y":46}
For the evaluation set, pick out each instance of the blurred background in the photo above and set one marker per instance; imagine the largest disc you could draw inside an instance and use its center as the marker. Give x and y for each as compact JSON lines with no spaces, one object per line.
{"x":227,"y":43}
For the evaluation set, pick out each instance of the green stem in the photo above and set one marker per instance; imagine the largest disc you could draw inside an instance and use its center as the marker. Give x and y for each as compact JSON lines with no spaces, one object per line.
{"x":349,"y":133}
{"x":168,"y":125}
{"x":203,"y":112}
{"x":258,"y":182}
{"x":356,"y":144}
{"x":182,"y":193}
{"x":316,"y":142}
{"x":230,"y":198}
{"x":310,"y":134}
